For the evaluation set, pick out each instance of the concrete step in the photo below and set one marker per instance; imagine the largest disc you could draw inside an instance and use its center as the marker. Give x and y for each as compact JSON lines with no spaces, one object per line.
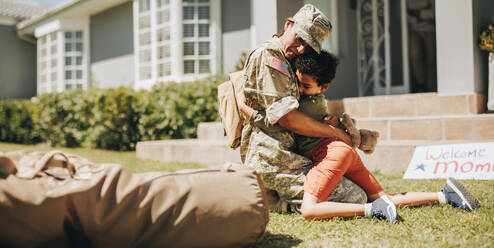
{"x":432,"y":128}
{"x":208,"y":152}
{"x":410,"y":105}
{"x":390,"y":157}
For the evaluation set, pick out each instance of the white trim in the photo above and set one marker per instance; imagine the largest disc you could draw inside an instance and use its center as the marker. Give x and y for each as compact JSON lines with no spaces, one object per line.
{"x":176,"y":39}
{"x":7,"y":20}
{"x":215,"y":22}
{"x":387,"y":49}
{"x":404,"y":39}
{"x":47,"y":28}
{"x":335,"y":33}
{"x":153,"y":30}
{"x":135,"y":16}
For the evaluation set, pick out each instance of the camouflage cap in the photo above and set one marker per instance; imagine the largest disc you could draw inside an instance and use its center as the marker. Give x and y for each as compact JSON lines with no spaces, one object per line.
{"x":312,"y":26}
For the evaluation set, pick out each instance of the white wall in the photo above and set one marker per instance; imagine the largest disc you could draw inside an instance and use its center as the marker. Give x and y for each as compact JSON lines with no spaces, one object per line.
{"x":114,"y":72}
{"x":455,"y":47}
{"x":264,"y":21}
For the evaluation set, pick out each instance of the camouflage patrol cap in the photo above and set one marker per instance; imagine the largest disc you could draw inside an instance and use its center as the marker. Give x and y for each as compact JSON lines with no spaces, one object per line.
{"x":312,"y":26}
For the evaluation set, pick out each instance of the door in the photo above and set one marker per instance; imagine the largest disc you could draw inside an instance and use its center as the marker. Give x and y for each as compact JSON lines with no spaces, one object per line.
{"x":382,"y":47}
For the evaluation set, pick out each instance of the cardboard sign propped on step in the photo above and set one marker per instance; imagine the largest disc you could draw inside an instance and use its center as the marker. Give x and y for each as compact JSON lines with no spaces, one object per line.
{"x":461,"y":161}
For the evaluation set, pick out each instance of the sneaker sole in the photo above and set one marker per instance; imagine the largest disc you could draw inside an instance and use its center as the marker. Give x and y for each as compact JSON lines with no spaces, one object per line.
{"x":465,"y":195}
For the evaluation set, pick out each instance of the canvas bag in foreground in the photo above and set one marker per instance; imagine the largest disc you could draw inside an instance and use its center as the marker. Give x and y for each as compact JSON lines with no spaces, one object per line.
{"x":227,"y":106}
{"x":46,"y":201}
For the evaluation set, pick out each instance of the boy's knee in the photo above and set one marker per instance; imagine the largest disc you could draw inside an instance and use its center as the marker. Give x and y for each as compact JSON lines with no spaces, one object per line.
{"x":307,"y":211}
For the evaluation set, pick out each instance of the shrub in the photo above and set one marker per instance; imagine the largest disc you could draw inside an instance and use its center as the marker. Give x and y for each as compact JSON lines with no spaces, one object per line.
{"x":16,"y":122}
{"x":113,"y":119}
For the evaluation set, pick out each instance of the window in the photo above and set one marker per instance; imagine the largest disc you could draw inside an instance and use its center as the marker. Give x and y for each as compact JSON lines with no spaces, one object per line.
{"x":163,"y":38}
{"x":73,"y":59}
{"x":47,"y":63}
{"x":163,"y":50}
{"x":144,"y":53}
{"x":196,"y":36}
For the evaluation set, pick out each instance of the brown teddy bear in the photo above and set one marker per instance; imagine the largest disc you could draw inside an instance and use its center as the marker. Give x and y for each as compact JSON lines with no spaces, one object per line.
{"x":364,"y":139}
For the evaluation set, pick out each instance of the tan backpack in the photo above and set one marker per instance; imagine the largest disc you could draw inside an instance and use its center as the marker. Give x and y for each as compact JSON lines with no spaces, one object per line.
{"x":59,"y":200}
{"x":227,"y":105}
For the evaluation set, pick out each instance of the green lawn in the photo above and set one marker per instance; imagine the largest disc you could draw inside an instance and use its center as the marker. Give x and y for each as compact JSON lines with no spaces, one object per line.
{"x":430,"y":226}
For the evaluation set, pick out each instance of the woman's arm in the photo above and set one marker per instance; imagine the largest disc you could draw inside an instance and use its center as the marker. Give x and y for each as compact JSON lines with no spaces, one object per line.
{"x":303,"y":124}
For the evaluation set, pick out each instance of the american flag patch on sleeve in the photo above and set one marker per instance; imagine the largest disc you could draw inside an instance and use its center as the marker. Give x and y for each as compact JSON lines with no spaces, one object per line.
{"x":279,"y":65}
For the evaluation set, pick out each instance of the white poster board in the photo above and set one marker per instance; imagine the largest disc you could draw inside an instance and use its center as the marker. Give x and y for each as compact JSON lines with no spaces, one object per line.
{"x":461,"y":161}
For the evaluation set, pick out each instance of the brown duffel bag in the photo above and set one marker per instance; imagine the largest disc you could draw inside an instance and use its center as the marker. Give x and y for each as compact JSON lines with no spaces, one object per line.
{"x":58,"y":200}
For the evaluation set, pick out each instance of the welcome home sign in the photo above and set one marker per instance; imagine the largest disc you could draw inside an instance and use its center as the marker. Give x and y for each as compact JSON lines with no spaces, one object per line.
{"x":461,"y":161}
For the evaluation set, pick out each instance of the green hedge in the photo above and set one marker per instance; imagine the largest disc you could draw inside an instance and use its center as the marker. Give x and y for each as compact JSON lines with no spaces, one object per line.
{"x":113,"y":119}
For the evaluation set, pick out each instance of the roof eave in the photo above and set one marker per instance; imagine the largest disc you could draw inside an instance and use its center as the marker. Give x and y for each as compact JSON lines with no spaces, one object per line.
{"x":47,"y":14}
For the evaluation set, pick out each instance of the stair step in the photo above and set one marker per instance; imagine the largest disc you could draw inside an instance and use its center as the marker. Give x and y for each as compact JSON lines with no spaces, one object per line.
{"x":421,"y":104}
{"x":207,"y":151}
{"x":432,"y":128}
{"x":390,"y":157}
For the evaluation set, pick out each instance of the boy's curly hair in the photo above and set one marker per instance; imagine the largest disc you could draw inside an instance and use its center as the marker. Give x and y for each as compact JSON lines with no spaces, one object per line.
{"x":322,"y":66}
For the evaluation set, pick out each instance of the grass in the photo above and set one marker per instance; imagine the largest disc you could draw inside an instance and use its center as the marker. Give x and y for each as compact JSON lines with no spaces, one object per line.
{"x":428,"y":226}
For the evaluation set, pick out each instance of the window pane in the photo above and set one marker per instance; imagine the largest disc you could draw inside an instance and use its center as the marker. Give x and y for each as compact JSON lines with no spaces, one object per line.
{"x":78,"y":34}
{"x":145,"y":38}
{"x":145,"y":55}
{"x":43,"y":65}
{"x":78,"y":46}
{"x":68,"y":47}
{"x":78,"y":60}
{"x":144,"y":21}
{"x":78,"y":74}
{"x":163,"y":16}
{"x":204,"y":48}
{"x":68,"y":86}
{"x":164,"y":52}
{"x":189,"y":66}
{"x":53,"y":76}
{"x":53,"y":62}
{"x":188,"y":13}
{"x":42,"y":40}
{"x":163,"y":2}
{"x":164,"y":69}
{"x":43,"y":52}
{"x":204,"y":1}
{"x":203,"y":30}
{"x":53,"y":36}
{"x":204,"y":66}
{"x":68,"y":61}
{"x":188,"y":48}
{"x":145,"y":72}
{"x":43,"y":78}
{"x":68,"y":74}
{"x":163,"y":34}
{"x":68,"y":35}
{"x":53,"y":49}
{"x":188,"y":30}
{"x":78,"y":86}
{"x":188,"y":1}
{"x":204,"y":12}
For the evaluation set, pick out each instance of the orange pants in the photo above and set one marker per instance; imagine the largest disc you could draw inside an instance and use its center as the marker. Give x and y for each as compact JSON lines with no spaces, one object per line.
{"x":334,"y":159}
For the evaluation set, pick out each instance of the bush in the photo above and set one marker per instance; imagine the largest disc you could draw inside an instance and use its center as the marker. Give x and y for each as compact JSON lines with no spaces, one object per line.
{"x":113,"y":119}
{"x":173,"y":110}
{"x":16,"y":122}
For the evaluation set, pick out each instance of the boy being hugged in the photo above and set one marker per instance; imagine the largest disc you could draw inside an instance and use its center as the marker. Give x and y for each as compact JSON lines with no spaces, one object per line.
{"x":334,"y":159}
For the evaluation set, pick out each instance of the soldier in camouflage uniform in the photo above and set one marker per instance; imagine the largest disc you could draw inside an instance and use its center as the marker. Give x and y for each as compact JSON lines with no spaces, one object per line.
{"x":270,"y":86}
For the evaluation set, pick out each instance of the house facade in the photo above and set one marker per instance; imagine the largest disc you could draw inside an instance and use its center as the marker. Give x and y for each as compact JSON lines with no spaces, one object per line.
{"x":384,"y":45}
{"x":17,"y":56}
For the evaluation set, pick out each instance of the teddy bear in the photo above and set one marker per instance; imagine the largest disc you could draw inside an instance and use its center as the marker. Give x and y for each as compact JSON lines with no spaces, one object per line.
{"x":363,"y":139}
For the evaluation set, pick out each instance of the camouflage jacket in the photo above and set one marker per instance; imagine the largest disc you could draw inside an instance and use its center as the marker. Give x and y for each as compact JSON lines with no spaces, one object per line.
{"x":270,"y":86}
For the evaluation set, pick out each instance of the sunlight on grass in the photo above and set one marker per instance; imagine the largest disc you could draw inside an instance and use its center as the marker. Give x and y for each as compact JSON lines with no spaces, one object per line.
{"x":127,"y":159}
{"x":429,"y":226}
